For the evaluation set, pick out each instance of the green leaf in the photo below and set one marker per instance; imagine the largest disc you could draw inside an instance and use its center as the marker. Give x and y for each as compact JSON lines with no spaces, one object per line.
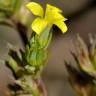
{"x":13,"y":64}
{"x":17,"y":5}
{"x":30,"y":69}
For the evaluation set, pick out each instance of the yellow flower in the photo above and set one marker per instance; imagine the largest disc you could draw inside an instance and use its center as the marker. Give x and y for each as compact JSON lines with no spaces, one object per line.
{"x":51,"y":16}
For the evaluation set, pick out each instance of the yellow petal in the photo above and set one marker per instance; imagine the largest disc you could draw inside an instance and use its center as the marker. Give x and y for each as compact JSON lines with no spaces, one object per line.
{"x":50,"y":7}
{"x":58,"y":16}
{"x":61,"y":25}
{"x":35,"y":8}
{"x":39,"y":25}
{"x":52,"y":16}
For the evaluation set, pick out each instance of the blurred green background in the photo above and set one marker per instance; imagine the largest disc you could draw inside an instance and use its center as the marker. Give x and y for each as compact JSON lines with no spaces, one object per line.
{"x":81,"y":16}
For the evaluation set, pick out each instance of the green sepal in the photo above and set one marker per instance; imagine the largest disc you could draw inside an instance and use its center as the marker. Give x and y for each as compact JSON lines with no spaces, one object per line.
{"x":44,"y":38}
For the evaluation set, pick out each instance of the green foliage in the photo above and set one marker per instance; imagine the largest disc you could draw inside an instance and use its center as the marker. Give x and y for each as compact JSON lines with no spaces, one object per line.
{"x":27,"y":65}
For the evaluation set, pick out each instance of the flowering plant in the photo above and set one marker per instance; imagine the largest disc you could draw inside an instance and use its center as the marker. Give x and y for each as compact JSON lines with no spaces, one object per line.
{"x":27,"y":65}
